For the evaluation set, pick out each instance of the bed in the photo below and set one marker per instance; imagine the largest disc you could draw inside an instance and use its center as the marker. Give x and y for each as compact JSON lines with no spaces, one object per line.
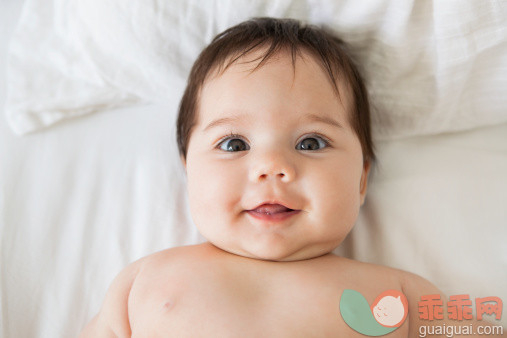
{"x":90,"y":178}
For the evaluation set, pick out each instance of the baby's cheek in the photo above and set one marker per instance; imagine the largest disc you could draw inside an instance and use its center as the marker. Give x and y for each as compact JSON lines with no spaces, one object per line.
{"x":339,"y":199}
{"x":213,"y":189}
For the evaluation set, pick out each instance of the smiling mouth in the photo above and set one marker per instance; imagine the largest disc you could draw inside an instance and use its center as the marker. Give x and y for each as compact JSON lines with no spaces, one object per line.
{"x":272,"y":212}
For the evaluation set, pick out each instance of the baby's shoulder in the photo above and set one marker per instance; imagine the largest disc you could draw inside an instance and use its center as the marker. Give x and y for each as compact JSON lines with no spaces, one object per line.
{"x":177,"y":263}
{"x":177,"y":256}
{"x":363,"y":271}
{"x":364,"y":268}
{"x":366,"y":275}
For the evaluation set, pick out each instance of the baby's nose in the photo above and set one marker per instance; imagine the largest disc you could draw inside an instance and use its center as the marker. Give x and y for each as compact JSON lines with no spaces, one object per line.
{"x":274,"y":166}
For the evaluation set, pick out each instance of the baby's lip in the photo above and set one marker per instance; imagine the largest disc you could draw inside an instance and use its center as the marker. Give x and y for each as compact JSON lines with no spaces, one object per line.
{"x":272,"y":213}
{"x":271,"y":208}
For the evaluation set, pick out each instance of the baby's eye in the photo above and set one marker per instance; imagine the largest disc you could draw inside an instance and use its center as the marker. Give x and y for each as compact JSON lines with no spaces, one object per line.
{"x":312,"y":143}
{"x":233,"y":144}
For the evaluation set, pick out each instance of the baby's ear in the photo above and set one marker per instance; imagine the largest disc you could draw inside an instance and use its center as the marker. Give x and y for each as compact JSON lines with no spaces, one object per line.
{"x":184,"y":162}
{"x":364,"y":180}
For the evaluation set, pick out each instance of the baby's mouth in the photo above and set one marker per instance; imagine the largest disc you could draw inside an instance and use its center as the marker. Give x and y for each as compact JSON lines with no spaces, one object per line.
{"x":272,"y":213}
{"x":270,"y":209}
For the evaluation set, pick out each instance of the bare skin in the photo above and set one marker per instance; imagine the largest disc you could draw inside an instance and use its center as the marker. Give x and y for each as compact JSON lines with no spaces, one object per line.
{"x":201,"y":290}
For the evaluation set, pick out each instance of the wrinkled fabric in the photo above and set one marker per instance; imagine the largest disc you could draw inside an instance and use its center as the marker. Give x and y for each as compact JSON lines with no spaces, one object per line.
{"x":431,"y":66}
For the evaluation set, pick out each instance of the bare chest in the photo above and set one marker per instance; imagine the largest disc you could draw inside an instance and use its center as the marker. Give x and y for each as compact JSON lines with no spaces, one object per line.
{"x":232,"y":310}
{"x":217,"y":304}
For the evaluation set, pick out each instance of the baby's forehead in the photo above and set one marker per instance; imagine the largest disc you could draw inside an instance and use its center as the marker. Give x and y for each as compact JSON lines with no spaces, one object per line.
{"x":300,"y":92}
{"x":301,"y":64}
{"x":249,"y":61}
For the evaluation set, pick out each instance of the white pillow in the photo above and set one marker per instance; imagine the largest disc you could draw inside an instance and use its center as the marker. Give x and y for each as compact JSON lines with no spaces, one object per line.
{"x":431,"y":67}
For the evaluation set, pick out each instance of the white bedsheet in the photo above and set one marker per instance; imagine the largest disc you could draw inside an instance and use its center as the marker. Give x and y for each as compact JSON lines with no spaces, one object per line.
{"x":431,"y":66}
{"x":80,"y":200}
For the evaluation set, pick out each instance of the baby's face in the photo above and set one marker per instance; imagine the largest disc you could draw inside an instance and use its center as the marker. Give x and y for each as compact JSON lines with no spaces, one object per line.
{"x":269,"y":141}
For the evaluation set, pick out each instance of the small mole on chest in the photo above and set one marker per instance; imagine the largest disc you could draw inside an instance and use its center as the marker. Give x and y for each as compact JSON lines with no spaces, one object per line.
{"x":168,"y":305}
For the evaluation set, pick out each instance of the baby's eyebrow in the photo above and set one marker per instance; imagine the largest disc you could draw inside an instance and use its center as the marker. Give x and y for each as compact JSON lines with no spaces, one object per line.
{"x":308,"y":118}
{"x":322,"y":119}
{"x":223,"y":120}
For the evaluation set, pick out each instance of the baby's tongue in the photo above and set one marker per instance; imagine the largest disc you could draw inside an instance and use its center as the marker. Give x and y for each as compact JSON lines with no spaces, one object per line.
{"x":271,"y":209}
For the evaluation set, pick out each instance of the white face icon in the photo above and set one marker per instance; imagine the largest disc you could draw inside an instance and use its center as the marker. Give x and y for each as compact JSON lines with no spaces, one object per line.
{"x":389,"y":311}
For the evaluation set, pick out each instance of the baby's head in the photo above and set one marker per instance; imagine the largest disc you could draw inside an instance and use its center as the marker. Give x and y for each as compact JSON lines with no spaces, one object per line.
{"x":274,"y":133}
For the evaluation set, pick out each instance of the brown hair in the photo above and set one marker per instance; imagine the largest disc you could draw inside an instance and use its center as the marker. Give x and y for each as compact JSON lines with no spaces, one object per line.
{"x":277,"y":34}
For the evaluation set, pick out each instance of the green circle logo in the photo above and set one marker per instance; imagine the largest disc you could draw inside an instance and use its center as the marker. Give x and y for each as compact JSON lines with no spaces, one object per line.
{"x":386,"y":314}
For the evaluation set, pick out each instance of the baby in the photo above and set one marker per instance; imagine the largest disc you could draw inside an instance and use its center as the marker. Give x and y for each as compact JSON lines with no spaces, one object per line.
{"x":274,"y":135}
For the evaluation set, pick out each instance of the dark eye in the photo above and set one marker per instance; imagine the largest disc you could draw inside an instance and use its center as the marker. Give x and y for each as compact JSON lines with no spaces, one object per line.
{"x":312,"y":143}
{"x":233,"y":144}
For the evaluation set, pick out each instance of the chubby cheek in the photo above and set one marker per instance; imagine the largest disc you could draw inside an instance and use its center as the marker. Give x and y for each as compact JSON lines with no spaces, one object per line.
{"x":335,"y":193}
{"x":214,"y":191}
